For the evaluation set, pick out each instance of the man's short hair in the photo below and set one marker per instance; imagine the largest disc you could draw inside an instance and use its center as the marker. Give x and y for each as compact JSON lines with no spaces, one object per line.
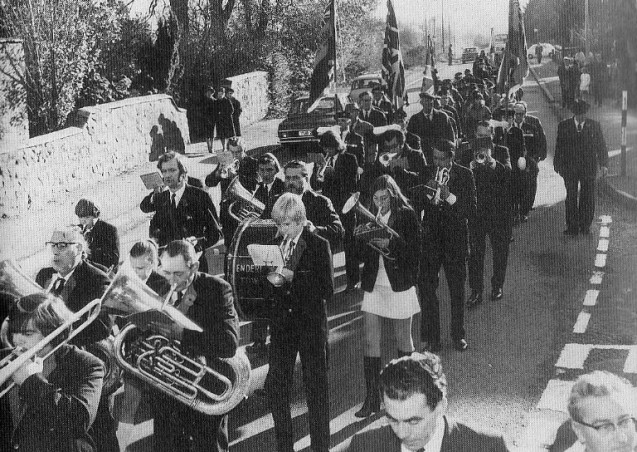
{"x":330,"y":140}
{"x":73,"y":234}
{"x":167,"y":157}
{"x":289,"y":206}
{"x":269,"y":158}
{"x":297,"y":164}
{"x":445,"y":146}
{"x":181,"y":248}
{"x":390,"y":134}
{"x":86,"y":208}
{"x":419,"y":373}
{"x":46,"y":312}
{"x":145,"y":248}
{"x":599,"y":383}
{"x":365,"y":93}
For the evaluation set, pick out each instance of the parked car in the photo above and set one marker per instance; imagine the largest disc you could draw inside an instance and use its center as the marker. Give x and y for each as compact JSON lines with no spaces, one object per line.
{"x":469,"y":54}
{"x":364,"y":83}
{"x":297,"y":129}
{"x":548,"y":50}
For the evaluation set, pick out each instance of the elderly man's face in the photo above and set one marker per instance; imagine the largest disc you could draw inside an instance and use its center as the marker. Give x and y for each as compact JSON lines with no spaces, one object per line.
{"x":177,"y":272}
{"x":365,"y":100}
{"x":65,"y":252}
{"x":412,"y":420}
{"x":295,"y":181}
{"x":600,"y":413}
{"x":427,"y":103}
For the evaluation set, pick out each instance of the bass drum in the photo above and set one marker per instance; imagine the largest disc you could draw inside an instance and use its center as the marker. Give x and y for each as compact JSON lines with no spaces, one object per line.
{"x":252,"y":291}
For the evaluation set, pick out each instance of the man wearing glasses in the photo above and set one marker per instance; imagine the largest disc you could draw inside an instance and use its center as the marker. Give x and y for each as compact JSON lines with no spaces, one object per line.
{"x":77,"y":282}
{"x":602,"y":409}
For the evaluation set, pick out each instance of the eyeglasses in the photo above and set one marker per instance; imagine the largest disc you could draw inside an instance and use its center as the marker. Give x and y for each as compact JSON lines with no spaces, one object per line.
{"x":60,"y":245}
{"x":611,"y":427}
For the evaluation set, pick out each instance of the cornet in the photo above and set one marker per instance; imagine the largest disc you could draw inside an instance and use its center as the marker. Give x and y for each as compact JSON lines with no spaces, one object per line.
{"x":329,"y":165}
{"x":442,"y":178}
{"x":384,"y":159}
{"x":480,"y":158}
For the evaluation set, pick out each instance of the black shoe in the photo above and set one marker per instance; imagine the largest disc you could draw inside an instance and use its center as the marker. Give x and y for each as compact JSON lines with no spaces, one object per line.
{"x":433,"y":347}
{"x":474,"y":299}
{"x":461,"y":345}
{"x":570,"y":232}
{"x":496,"y":293}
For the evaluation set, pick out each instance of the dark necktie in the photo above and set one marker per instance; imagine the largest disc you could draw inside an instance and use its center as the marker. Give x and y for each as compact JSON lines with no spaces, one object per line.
{"x":579,"y":127}
{"x":173,"y":201}
{"x":290,"y":252}
{"x":58,"y":286}
{"x":178,"y":299}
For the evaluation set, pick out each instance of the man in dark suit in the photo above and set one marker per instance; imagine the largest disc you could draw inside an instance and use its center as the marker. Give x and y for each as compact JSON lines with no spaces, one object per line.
{"x":535,"y":144}
{"x":430,"y":125}
{"x":102,"y":237}
{"x":445,"y":243}
{"x":579,"y":149}
{"x":353,"y":141}
{"x":181,"y":211}
{"x":381,"y":102}
{"x":337,"y":179}
{"x":493,"y":218}
{"x":414,"y":392}
{"x":207,"y":300}
{"x":320,"y":213}
{"x":405,"y":165}
{"x":299,"y":325}
{"x":236,"y":111}
{"x":368,"y":118}
{"x":77,"y":283}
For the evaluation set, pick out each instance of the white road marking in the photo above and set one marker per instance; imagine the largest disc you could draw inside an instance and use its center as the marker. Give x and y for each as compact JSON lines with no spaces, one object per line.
{"x":597,"y":278}
{"x":602,"y":245}
{"x":604,"y":232}
{"x":605,"y":219}
{"x":615,"y":152}
{"x":600,"y":261}
{"x":573,"y":356}
{"x":582,"y":322}
{"x":590,"y":299}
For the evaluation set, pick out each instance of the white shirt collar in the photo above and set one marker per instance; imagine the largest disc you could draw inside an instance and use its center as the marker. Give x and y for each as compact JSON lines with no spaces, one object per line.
{"x":578,"y":123}
{"x":57,"y":275}
{"x":435,"y":441}
{"x":179,"y":193}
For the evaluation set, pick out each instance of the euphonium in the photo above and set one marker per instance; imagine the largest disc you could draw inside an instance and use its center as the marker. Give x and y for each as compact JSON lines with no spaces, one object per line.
{"x":212,"y":388}
{"x":248,"y":206}
{"x":372,"y":228}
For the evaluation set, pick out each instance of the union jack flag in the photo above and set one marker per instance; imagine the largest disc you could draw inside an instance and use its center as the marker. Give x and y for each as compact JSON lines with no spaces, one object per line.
{"x":393,"y":70}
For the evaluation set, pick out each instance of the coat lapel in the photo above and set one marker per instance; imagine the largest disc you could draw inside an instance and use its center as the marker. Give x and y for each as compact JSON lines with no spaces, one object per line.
{"x":299,"y":249}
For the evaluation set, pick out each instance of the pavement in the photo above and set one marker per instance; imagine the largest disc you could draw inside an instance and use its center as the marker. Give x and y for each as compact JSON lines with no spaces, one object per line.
{"x":621,"y":188}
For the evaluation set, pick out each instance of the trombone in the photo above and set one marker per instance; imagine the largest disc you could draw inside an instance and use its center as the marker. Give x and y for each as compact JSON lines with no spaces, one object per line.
{"x":11,"y":363}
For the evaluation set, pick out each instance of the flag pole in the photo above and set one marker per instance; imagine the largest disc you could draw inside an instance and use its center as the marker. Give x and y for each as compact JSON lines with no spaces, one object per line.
{"x":335,"y":56}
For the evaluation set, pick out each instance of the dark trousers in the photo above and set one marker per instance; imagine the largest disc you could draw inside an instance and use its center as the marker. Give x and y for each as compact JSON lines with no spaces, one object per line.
{"x":499,"y":232}
{"x":530,"y":186}
{"x":456,"y":273}
{"x":519,"y":190}
{"x":259,"y":332}
{"x":309,"y":339}
{"x":352,"y":264}
{"x":580,"y":204}
{"x":103,"y":430}
{"x":178,"y":428}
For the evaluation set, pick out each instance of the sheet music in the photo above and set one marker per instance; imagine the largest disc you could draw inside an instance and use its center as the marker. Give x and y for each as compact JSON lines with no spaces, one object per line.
{"x":266,"y":255}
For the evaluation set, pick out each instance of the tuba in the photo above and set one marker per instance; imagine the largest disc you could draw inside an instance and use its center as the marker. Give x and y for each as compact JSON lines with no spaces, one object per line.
{"x":373,"y":228}
{"x":144,"y":349}
{"x":243,"y":203}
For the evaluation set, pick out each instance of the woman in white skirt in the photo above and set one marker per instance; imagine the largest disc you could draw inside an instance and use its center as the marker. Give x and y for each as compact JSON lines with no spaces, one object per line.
{"x":389,"y":282}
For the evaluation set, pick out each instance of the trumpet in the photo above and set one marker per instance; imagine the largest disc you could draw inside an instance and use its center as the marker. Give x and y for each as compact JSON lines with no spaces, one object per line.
{"x":386,"y":158}
{"x":442,"y":178}
{"x":11,"y":363}
{"x":480,"y":158}
{"x":373,"y":228}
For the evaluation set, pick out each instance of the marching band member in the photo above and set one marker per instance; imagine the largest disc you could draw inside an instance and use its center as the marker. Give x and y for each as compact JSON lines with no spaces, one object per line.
{"x":77,"y":283}
{"x":493,"y":218}
{"x":57,"y":399}
{"x":338,"y":178}
{"x":389,"y":282}
{"x":299,"y":325}
{"x":381,"y":102}
{"x":320,"y":213}
{"x":368,"y":118}
{"x":353,"y":140}
{"x":270,"y":188}
{"x":445,"y":244}
{"x":181,"y":211}
{"x":430,"y":125}
{"x":208,"y":301}
{"x":102,"y":237}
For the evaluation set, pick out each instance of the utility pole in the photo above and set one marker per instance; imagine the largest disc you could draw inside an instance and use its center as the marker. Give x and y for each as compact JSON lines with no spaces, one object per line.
{"x":587,"y":27}
{"x":443,"y":23}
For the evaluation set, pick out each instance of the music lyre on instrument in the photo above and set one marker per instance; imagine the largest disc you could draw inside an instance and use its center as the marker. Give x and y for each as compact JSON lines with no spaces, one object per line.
{"x":372,"y":228}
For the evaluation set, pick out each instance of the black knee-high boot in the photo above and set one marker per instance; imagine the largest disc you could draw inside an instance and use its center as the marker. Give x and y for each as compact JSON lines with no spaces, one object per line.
{"x":371,"y":405}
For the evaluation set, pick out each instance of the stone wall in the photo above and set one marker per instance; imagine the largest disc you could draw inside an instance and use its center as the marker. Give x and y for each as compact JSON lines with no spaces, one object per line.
{"x":14,"y":122}
{"x":110,"y":139}
{"x":251,"y":89}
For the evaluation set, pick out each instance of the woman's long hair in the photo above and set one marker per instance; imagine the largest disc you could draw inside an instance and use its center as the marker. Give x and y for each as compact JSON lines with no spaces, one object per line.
{"x":386,"y":182}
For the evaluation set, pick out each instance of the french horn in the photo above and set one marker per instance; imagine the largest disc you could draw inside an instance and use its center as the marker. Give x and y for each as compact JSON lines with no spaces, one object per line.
{"x":144,"y":349}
